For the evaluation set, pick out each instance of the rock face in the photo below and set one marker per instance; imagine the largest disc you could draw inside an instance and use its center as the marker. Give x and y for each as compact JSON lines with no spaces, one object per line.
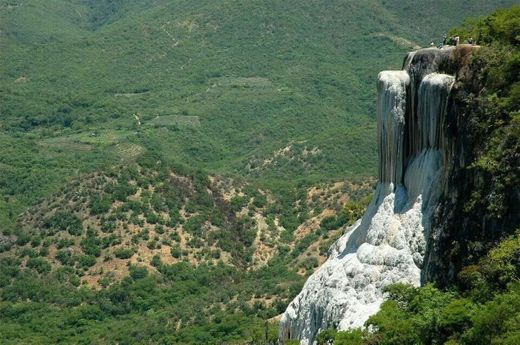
{"x":388,"y":245}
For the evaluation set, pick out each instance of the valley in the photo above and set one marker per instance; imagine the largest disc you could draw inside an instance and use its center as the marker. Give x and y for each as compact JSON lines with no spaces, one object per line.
{"x":172,"y":172}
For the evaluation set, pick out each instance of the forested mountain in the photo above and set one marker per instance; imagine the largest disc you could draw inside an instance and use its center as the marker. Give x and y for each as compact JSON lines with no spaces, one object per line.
{"x":172,"y":171}
{"x":276,"y":91}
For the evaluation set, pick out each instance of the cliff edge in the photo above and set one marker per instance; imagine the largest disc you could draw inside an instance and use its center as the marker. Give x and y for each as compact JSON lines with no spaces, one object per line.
{"x":393,"y":242}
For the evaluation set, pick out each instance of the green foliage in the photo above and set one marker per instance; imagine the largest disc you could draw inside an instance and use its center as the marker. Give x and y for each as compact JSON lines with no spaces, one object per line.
{"x":86,"y":261}
{"x":100,"y":205}
{"x":23,"y":238}
{"x":51,"y":308}
{"x":265,"y":334}
{"x":91,"y":245}
{"x":194,"y":225}
{"x":502,"y":265}
{"x":496,"y":322}
{"x":63,"y":220}
{"x":292,"y":342}
{"x":495,"y":272}
{"x":176,"y":251}
{"x":351,"y":337}
{"x":354,"y":209}
{"x":501,"y":26}
{"x":39,"y":264}
{"x":496,"y":125}
{"x":484,"y":311}
{"x":326,"y":336}
{"x":334,"y":222}
{"x":65,"y":257}
{"x":124,"y":253}
{"x":237,"y":203}
{"x":137,"y":272}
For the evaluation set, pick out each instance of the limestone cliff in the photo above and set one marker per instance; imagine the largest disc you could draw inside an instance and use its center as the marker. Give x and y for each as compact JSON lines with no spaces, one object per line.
{"x":394,"y":237}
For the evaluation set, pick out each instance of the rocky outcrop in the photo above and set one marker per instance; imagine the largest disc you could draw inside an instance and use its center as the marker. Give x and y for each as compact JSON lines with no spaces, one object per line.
{"x":389,"y":243}
{"x":463,"y":231}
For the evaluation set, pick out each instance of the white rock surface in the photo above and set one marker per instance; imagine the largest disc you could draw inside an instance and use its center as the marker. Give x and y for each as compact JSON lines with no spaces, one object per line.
{"x":387,"y":245}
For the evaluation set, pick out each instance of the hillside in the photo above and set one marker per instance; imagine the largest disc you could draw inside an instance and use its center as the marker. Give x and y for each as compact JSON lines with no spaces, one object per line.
{"x":174,"y":239}
{"x":90,"y":82}
{"x":142,"y":214}
{"x":173,"y":171}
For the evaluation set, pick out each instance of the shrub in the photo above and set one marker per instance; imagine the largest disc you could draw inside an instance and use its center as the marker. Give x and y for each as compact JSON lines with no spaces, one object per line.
{"x":137,"y":272}
{"x":86,"y":261}
{"x":124,"y":253}
{"x":194,"y":225}
{"x":39,"y":264}
{"x":100,"y":205}
{"x":156,"y":261}
{"x":23,"y":238}
{"x":176,"y":251}
{"x":65,"y":257}
{"x":326,"y":337}
{"x":64,"y":220}
{"x":352,"y":337}
{"x":36,"y":241}
{"x":91,"y":246}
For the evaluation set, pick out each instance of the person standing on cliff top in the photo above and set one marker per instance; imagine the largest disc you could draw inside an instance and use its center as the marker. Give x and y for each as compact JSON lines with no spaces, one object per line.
{"x":457,"y":40}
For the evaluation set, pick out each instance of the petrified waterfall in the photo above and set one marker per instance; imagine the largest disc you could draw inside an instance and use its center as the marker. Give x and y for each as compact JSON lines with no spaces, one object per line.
{"x":388,"y":244}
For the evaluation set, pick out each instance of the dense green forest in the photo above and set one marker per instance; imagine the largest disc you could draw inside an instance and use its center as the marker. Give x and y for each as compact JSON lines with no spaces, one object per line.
{"x":154,"y":138}
{"x":283,"y":95}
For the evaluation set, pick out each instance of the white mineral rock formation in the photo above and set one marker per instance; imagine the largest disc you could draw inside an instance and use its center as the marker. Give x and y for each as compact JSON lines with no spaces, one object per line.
{"x":388,"y":244}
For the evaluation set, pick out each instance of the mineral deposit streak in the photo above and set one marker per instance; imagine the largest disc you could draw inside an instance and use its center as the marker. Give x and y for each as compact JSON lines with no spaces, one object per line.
{"x":388,"y":244}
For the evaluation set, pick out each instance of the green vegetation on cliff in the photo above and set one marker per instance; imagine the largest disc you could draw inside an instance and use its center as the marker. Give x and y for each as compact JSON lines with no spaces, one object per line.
{"x":482,"y":305}
{"x":487,"y":203}
{"x":496,"y":120}
{"x":482,"y":310}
